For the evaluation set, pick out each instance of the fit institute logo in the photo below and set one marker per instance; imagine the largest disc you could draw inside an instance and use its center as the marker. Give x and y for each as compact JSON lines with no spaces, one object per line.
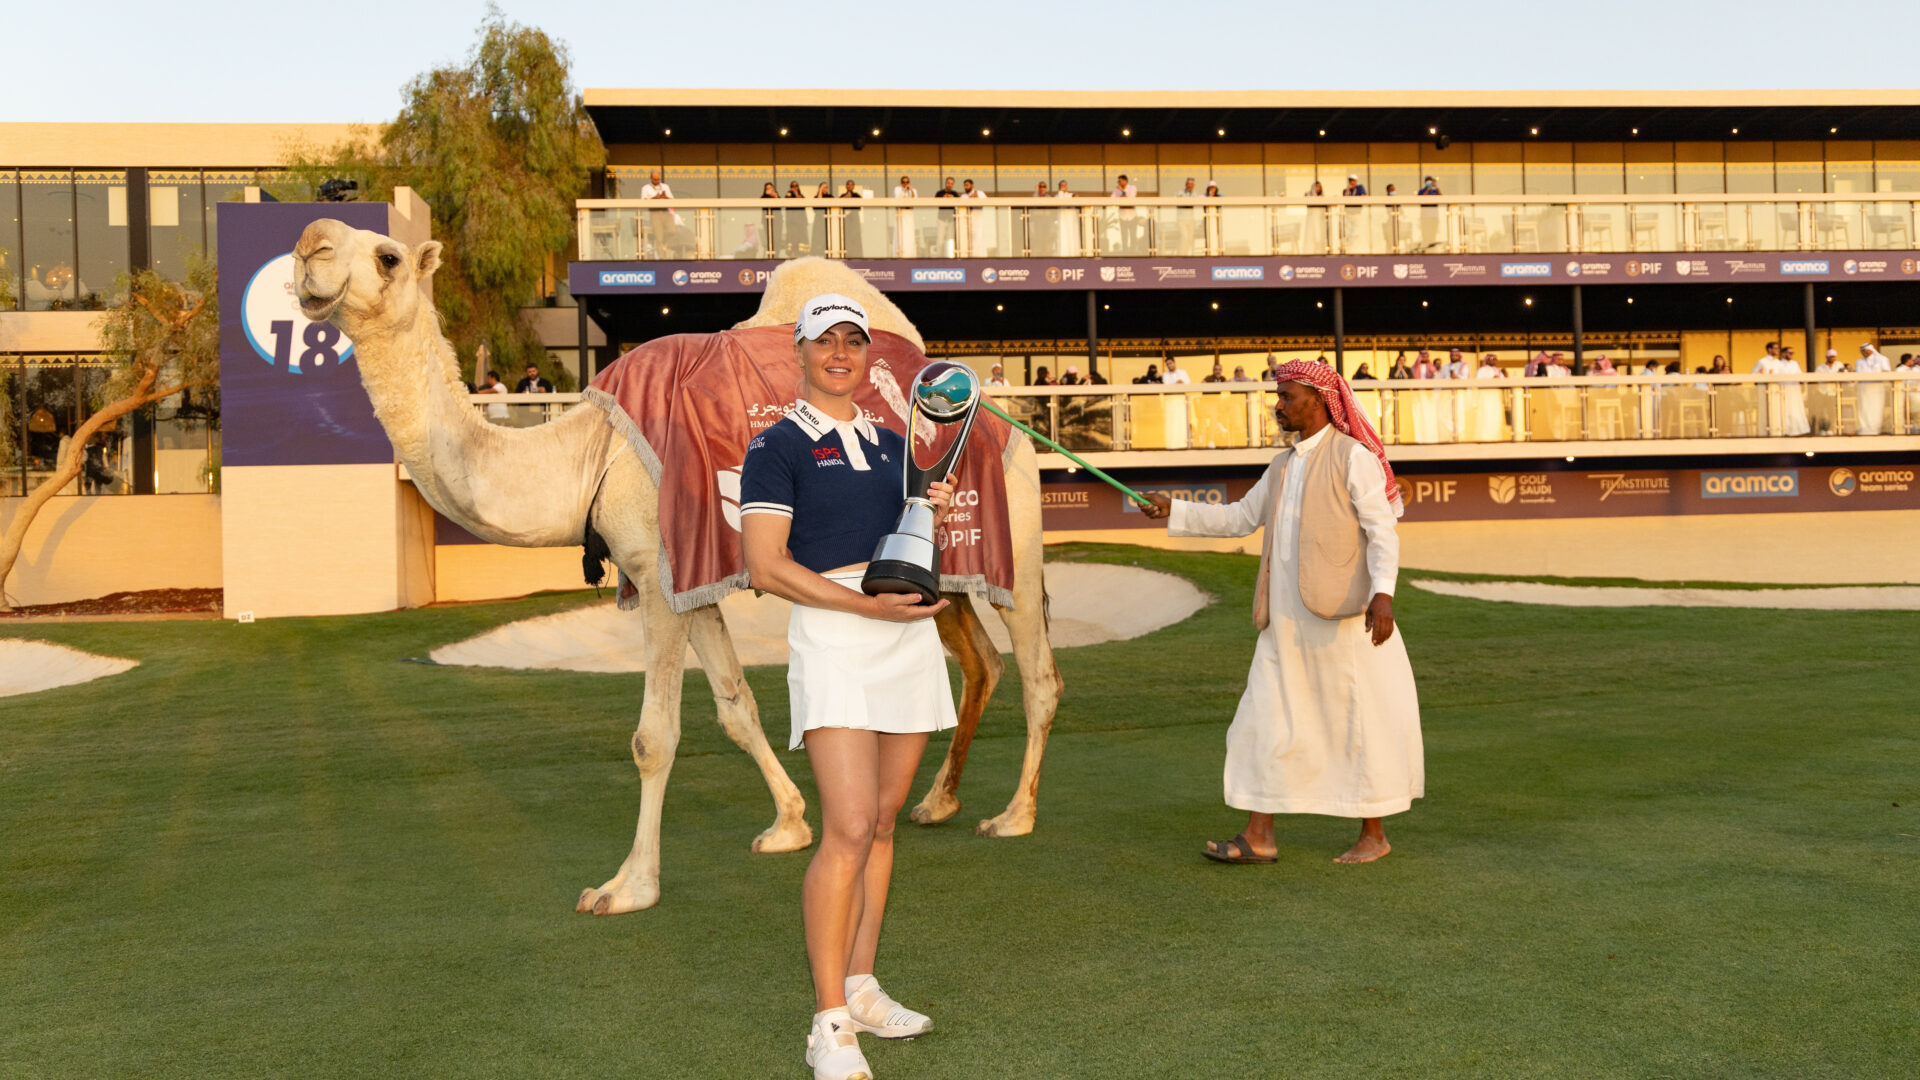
{"x":275,"y":327}
{"x":1502,"y":489}
{"x":1842,"y":483}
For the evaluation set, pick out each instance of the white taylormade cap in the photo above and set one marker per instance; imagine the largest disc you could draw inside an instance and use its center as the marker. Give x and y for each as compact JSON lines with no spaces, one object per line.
{"x":824,"y":312}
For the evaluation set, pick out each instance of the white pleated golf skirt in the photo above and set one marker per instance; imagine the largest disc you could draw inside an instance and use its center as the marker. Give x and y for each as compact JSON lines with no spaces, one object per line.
{"x":849,"y":671}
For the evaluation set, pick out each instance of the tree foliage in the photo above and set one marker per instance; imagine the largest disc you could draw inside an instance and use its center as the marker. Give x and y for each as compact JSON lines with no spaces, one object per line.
{"x":163,"y":338}
{"x":500,"y":147}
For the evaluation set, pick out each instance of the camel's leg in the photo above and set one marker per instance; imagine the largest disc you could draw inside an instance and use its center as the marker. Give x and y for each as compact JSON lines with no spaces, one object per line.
{"x":1040,"y":682}
{"x":740,"y":719}
{"x":625,"y":518}
{"x":980,"y":670}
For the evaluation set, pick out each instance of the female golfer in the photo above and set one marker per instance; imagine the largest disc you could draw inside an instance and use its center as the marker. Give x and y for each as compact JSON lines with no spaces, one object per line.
{"x":867,"y":678}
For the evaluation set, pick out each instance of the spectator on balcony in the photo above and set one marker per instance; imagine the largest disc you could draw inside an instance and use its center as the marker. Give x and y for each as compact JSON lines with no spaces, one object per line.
{"x":1132,"y":232}
{"x":1316,"y":191}
{"x":1766,"y":364}
{"x":667,"y":231}
{"x":1095,"y":378}
{"x":1455,"y":367}
{"x":1786,"y":404}
{"x":1720,"y":366}
{"x":1390,"y":190}
{"x":905,"y":189}
{"x":851,"y":191}
{"x":1272,"y":374}
{"x":1071,"y":376}
{"x":1043,"y":377}
{"x":997,"y":375}
{"x":1219,"y":374}
{"x":1174,"y":375}
{"x":1424,"y":368}
{"x":1400,"y":369}
{"x":1151,"y":377}
{"x":1354,"y":188}
{"x":1652,"y":368}
{"x":1428,"y":186}
{"x":1674,"y":368}
{"x":793,"y":190}
{"x":946,"y":190}
{"x":1213,"y":189}
{"x":768,"y":191}
{"x":1603,"y":366}
{"x":1556,"y":366}
{"x":825,"y":192}
{"x":533,"y":383}
{"x":1831,"y":364}
{"x":496,"y":411}
{"x":903,"y":238}
{"x":1067,"y":224}
{"x":1240,"y":374}
{"x":1040,"y":191}
{"x":1489,"y":368}
{"x":1361,"y":374}
{"x":1536,"y":367}
{"x":1871,"y":396}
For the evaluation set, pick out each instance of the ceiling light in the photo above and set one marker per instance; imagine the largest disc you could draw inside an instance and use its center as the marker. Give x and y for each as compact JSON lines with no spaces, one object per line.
{"x":1636,"y":131}
{"x":984,"y":132}
{"x":1223,"y":132}
{"x":1809,"y":453}
{"x":1729,"y":299}
{"x":1833,"y":131}
{"x":1126,"y":133}
{"x":1423,"y":303}
{"x":1317,"y":303}
{"x":1736,"y":131}
{"x":1529,"y":301}
{"x":876,"y":133}
{"x":669,"y":131}
{"x":1323,"y":133}
{"x":1629,"y":299}
{"x":663,"y":311}
{"x":1216,"y":305}
{"x":783,"y":132}
{"x":1533,"y":131}
{"x":1433,"y":131}
{"x":1569,"y":457}
{"x":999,"y":307}
{"x":1106,"y":307}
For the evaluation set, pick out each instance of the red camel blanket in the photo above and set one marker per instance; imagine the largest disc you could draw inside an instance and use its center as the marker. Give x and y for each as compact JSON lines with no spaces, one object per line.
{"x":689,"y":403}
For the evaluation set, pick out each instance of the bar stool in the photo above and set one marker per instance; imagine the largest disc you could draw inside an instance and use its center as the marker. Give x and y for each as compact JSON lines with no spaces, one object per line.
{"x":1693,"y":412}
{"x":1607,"y":418}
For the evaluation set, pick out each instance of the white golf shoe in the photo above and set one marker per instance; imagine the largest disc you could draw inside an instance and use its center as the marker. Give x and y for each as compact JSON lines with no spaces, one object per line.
{"x":877,"y":1014}
{"x":833,"y":1048}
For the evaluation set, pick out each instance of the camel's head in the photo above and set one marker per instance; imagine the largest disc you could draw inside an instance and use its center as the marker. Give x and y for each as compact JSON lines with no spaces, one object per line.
{"x":367,"y":284}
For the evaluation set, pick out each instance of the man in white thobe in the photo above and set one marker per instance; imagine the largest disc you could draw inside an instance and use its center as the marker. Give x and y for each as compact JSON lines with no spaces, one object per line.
{"x":1786,"y":404}
{"x":1871,"y":408}
{"x":1330,"y":720}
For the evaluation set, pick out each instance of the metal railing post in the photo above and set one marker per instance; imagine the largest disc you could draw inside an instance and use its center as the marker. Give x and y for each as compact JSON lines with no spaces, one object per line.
{"x":703,"y":233}
{"x":1806,"y":230}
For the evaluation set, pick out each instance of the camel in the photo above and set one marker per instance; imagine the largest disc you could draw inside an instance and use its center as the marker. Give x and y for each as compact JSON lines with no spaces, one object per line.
{"x":542,"y":486}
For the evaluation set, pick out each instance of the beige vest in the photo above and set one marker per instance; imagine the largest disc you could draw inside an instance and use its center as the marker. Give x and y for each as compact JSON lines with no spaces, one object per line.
{"x":1334,"y":583}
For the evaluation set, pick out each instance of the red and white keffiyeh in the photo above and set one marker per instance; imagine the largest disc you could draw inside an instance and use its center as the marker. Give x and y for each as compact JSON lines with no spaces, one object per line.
{"x":1345,"y":413}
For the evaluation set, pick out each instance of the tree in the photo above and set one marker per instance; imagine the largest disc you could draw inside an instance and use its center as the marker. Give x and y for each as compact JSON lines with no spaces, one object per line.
{"x":500,"y":147}
{"x":163,"y":338}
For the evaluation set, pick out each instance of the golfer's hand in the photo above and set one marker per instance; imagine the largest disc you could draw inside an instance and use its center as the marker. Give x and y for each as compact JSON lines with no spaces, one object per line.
{"x":904,"y":607}
{"x":940,"y":494}
{"x":1162,"y":505}
{"x":1380,"y":618}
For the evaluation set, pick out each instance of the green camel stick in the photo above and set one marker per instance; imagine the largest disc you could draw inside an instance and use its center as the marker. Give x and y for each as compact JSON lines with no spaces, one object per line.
{"x":1117,"y":485}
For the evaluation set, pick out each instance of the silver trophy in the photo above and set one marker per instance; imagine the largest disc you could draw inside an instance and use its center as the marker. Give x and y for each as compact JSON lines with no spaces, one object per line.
{"x":908,"y":560}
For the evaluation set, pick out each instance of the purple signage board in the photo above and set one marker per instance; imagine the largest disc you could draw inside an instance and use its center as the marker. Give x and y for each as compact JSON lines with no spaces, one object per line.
{"x":289,"y":392}
{"x":1275,"y":272}
{"x":1073,"y":503}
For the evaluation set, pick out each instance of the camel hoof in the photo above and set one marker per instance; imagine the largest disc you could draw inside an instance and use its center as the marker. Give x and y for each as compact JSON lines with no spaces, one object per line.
{"x":925,"y":814}
{"x":611,"y":901}
{"x":1005,"y":825}
{"x":784,"y":836}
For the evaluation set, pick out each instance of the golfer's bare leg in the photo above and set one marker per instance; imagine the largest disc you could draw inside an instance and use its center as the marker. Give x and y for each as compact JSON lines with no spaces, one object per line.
{"x":845,"y":764}
{"x":899,"y":758}
{"x":1371,"y":845}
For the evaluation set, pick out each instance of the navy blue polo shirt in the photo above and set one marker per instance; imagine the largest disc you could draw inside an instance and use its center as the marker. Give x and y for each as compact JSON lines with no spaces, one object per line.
{"x":841,"y":483}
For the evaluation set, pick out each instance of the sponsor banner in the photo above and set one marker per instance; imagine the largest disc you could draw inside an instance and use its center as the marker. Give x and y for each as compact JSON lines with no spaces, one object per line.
{"x":290,"y":388}
{"x":1276,"y":272}
{"x":1518,"y":496}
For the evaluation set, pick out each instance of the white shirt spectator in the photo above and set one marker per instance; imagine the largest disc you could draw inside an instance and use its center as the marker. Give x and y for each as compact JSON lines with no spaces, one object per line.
{"x":1175,"y":375}
{"x":651,"y":190}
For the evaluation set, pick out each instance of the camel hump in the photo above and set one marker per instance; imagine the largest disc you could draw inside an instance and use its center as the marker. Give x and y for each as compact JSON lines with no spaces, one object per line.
{"x":796,"y":281}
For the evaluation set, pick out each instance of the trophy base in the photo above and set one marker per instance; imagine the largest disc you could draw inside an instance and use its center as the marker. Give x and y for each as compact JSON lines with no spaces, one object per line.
{"x":894,"y":576}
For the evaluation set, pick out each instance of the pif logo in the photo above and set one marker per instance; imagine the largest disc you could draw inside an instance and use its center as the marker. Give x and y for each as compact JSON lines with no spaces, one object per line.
{"x":1502,"y":489}
{"x":1440,"y":491}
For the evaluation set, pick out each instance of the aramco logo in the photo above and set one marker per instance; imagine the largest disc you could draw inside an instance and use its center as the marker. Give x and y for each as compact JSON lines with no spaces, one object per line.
{"x":1502,"y":488}
{"x":1842,"y":483}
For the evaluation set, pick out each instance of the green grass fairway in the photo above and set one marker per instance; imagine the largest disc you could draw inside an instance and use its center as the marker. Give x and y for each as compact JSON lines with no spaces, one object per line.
{"x":1657,"y":843}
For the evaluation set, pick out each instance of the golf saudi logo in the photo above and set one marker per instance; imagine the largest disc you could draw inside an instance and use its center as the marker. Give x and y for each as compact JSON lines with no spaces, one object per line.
{"x":1502,"y":488}
{"x":270,"y":314}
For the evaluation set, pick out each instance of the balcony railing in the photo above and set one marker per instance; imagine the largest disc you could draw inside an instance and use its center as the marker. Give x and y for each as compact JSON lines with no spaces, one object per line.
{"x":1495,"y":413}
{"x":682,"y":229}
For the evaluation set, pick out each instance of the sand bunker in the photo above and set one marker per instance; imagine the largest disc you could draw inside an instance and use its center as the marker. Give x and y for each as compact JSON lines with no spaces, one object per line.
{"x":1092,"y":603}
{"x":27,"y":666}
{"x":1845,"y":598}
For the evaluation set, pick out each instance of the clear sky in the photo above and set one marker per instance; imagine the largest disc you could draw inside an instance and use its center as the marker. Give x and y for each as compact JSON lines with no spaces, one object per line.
{"x":345,"y":60}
